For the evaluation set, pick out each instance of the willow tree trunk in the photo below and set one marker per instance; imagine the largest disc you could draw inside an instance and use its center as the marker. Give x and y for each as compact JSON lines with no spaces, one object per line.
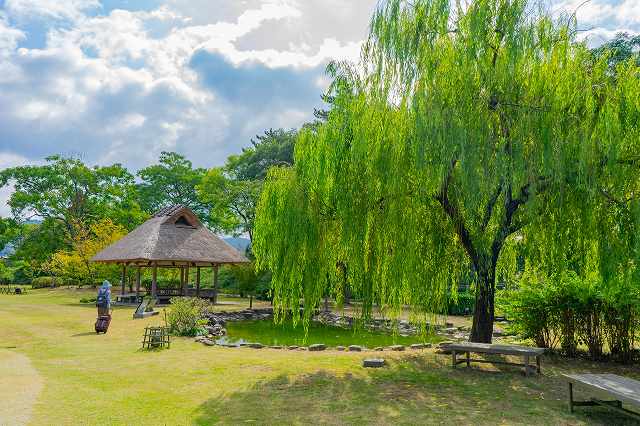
{"x":482,"y":328}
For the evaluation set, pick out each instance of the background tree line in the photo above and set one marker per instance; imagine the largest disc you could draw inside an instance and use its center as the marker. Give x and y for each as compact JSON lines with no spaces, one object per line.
{"x":64,"y":211}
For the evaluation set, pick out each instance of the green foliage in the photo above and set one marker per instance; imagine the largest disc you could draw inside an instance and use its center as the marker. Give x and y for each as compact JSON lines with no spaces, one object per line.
{"x":462,"y":130}
{"x":42,"y":282}
{"x":232,"y":202}
{"x":567,"y":311}
{"x":232,"y":191}
{"x":462,"y":304}
{"x":67,"y":191}
{"x":273,"y":148}
{"x":185,"y":317}
{"x":172,"y":181}
{"x":620,"y":49}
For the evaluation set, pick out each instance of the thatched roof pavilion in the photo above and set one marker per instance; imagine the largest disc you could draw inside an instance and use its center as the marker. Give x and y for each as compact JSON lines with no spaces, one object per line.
{"x":173,"y":238}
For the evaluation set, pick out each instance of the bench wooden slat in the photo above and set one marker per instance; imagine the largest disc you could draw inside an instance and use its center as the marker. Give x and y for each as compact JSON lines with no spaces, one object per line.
{"x":495,"y":349}
{"x":622,"y":388}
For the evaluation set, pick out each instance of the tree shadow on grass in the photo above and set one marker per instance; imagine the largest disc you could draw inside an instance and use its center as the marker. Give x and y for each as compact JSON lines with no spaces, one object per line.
{"x":415,"y":390}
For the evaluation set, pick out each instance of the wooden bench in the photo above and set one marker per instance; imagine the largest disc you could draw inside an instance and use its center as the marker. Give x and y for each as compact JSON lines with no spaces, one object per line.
{"x":621,"y":389}
{"x":486,"y":348}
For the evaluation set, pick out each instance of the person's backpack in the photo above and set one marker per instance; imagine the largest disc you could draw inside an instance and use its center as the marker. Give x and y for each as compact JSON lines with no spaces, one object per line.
{"x":102,"y":297}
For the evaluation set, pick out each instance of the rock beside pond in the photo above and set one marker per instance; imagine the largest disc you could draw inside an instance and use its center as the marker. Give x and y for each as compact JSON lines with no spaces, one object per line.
{"x":292,"y":347}
{"x":417,"y":346}
{"x":275,"y":347}
{"x":379,"y":348}
{"x":397,"y":348}
{"x":355,"y":348}
{"x":216,"y":330}
{"x":373,"y":363}
{"x":221,"y":318}
{"x":303,"y":348}
{"x":317,"y":347}
{"x":256,"y":345}
{"x":340,"y":348}
{"x":208,"y":342}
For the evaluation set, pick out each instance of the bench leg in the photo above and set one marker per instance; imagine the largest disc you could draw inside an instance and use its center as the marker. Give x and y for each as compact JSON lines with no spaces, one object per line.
{"x":453,"y":358}
{"x":526,"y":365}
{"x":538,"y":365}
{"x":570,"y":397}
{"x":468,"y":359}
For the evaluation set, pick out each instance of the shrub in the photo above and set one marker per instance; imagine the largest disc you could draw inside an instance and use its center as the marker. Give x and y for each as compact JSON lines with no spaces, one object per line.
{"x":530,"y":313}
{"x":569,"y":310}
{"x":464,"y":304}
{"x":185,"y":317}
{"x":41,"y":282}
{"x":621,"y":320}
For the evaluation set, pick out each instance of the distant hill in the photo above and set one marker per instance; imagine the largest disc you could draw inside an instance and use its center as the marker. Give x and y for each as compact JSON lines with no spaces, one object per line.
{"x":239,"y":244}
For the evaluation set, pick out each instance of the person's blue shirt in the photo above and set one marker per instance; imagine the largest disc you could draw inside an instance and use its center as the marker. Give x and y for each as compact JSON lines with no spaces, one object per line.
{"x":104,"y":294}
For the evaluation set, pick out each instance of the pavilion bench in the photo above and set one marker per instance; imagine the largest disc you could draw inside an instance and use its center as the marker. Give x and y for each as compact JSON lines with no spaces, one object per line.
{"x":620,"y":389}
{"x":486,"y":348}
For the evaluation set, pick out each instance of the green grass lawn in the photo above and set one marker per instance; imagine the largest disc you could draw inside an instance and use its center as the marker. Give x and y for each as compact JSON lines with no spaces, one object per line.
{"x":55,"y":371}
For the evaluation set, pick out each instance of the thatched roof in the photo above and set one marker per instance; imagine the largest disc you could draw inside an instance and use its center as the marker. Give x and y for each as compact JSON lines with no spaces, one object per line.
{"x":173,"y":236}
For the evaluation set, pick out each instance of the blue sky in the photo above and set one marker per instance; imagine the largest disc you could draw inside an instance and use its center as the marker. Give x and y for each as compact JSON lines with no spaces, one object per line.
{"x":122,"y":80}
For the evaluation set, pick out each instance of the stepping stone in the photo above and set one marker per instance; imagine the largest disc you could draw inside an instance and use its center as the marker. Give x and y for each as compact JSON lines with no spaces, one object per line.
{"x":355,"y":348}
{"x":373,"y":363}
{"x":417,"y":346}
{"x":379,"y":349}
{"x":303,"y":348}
{"x":292,"y":348}
{"x":208,"y":342}
{"x":397,"y":348}
{"x":339,"y":348}
{"x":256,"y":345}
{"x":275,"y":347}
{"x":317,"y":347}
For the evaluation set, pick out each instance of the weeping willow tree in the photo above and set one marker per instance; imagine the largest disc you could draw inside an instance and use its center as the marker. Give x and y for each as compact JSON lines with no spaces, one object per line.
{"x":462,"y":131}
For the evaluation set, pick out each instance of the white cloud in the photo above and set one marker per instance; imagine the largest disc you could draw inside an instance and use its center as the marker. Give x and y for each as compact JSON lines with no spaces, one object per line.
{"x":71,"y":10}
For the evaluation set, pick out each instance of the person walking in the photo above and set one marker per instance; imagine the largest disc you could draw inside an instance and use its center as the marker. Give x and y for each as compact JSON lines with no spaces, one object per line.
{"x":103,"y":300}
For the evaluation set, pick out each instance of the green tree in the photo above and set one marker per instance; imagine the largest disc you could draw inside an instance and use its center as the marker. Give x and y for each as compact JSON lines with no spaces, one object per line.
{"x":463,"y":130}
{"x":620,"y":49}
{"x":232,"y":191}
{"x":172,"y":181}
{"x":69,"y":192}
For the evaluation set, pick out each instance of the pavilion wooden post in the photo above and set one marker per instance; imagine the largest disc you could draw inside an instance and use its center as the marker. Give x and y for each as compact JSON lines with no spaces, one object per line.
{"x":154,"y":281}
{"x":123,"y":278}
{"x":197,"y":281}
{"x":182,"y":279}
{"x":185,"y":285}
{"x":138,"y":281}
{"x":215,"y":284}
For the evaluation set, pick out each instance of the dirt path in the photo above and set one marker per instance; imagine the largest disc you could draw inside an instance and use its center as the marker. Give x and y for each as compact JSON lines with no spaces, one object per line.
{"x":20,"y":385}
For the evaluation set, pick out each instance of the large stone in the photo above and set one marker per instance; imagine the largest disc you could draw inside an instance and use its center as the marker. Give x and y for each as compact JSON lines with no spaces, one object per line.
{"x":373,"y":363}
{"x":397,"y":348}
{"x":355,"y":348}
{"x":317,"y":347}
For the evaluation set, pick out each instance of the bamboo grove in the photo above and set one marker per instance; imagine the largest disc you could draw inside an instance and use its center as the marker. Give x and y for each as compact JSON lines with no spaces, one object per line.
{"x":466,"y":139}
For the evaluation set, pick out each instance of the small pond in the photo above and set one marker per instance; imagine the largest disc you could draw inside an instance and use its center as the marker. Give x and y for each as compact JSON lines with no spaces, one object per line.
{"x":270,"y":334}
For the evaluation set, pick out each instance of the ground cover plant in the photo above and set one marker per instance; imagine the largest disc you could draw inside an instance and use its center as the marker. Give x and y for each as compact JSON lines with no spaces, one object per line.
{"x":56,"y":370}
